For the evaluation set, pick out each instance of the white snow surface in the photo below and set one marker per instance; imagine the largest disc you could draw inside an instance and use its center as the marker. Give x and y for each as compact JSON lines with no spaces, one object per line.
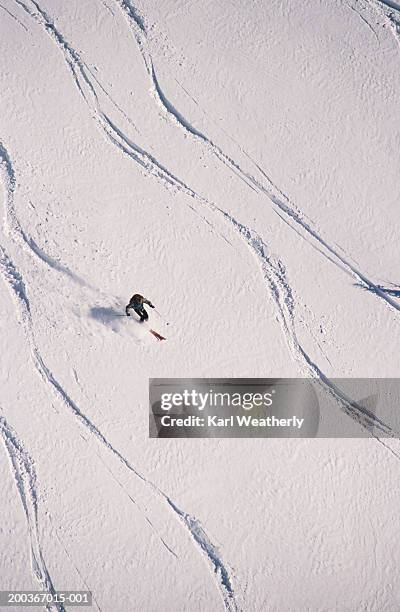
{"x":238,"y":164}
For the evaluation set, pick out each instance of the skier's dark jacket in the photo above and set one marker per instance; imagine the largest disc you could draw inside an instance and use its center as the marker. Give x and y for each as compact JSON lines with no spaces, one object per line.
{"x":137,"y":301}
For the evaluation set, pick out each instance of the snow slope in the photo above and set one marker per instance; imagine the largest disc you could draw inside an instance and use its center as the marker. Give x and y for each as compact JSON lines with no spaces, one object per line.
{"x":238,"y":164}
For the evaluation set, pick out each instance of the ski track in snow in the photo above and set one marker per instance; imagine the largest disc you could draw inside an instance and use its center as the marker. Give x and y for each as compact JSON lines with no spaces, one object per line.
{"x":390,"y":11}
{"x":25,"y":479}
{"x":203,"y":541}
{"x":12,"y":226}
{"x":390,"y":4}
{"x":14,"y":17}
{"x":109,"y":9}
{"x":392,"y":16}
{"x":72,"y":57}
{"x":79,"y":573}
{"x":361,"y":16}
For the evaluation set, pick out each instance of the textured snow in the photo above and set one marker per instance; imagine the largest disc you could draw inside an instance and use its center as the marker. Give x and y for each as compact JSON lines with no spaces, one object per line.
{"x":238,"y":164}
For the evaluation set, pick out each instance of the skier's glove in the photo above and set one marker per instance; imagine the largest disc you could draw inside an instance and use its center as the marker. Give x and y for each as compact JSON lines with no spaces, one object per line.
{"x":151,"y":305}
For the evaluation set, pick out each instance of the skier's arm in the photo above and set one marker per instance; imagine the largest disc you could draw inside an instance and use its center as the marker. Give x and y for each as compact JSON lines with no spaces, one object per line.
{"x":146,"y":301}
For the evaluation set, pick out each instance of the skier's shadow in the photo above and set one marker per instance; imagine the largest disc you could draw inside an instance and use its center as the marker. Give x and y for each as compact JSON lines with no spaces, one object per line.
{"x":105,"y":315}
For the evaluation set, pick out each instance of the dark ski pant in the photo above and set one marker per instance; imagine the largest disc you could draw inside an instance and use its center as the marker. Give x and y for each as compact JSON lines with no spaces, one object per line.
{"x":139,"y":311}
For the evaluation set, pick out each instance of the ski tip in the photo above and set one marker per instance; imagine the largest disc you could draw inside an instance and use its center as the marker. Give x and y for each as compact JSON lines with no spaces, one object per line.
{"x":157,"y":335}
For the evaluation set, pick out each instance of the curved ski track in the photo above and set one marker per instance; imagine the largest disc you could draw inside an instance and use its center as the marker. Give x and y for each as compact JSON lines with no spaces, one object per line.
{"x":14,"y":17}
{"x":26,"y":482}
{"x":361,"y":16}
{"x":389,"y":4}
{"x":12,"y":226}
{"x":391,"y":11}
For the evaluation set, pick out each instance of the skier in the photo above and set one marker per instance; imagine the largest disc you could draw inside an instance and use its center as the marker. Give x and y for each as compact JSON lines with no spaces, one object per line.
{"x":137,"y":302}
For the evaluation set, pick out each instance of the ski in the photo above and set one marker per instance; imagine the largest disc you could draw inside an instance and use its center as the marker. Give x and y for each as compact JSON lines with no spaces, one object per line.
{"x":157,"y":335}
